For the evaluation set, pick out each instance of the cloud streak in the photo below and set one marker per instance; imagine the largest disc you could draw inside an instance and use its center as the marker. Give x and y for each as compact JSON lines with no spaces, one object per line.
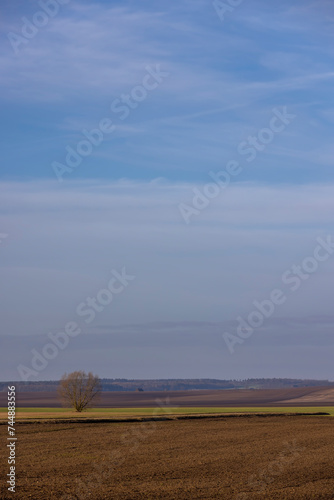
{"x":189,"y":281}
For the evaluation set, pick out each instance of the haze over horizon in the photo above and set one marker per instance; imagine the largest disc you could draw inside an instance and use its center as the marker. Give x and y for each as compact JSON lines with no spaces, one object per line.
{"x":203,"y":190}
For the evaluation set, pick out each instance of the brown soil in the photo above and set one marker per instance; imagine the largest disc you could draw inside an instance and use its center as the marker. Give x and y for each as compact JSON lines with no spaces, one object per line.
{"x":322,"y":396}
{"x":289,"y":457}
{"x":307,"y":396}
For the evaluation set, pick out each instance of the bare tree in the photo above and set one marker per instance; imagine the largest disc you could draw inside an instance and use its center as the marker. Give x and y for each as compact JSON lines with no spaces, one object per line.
{"x":79,"y":390}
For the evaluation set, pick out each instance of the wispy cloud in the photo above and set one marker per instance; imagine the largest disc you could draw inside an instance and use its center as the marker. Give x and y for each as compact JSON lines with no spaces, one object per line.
{"x":68,"y":239}
{"x":119,"y":207}
{"x":224,"y":79}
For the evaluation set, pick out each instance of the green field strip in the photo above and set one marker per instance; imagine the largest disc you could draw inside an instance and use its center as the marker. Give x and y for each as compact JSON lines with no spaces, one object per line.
{"x":48,"y":413}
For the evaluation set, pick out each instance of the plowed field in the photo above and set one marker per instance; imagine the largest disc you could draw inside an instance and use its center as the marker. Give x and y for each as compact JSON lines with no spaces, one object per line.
{"x":287,"y":457}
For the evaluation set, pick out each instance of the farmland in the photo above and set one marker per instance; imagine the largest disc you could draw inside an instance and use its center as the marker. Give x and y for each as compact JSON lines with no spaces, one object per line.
{"x":234,"y":458}
{"x":29,"y":414}
{"x":236,"y":445}
{"x":307,"y":396}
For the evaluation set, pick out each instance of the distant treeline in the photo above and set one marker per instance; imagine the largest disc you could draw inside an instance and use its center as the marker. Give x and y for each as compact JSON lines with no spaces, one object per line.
{"x":119,"y":384}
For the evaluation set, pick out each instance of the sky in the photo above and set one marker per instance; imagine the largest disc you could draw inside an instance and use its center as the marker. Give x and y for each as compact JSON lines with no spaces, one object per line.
{"x":167,"y":189}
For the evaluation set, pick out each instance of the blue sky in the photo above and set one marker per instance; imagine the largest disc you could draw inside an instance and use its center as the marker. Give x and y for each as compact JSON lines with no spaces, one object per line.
{"x":119,"y":207}
{"x":224,"y":79}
